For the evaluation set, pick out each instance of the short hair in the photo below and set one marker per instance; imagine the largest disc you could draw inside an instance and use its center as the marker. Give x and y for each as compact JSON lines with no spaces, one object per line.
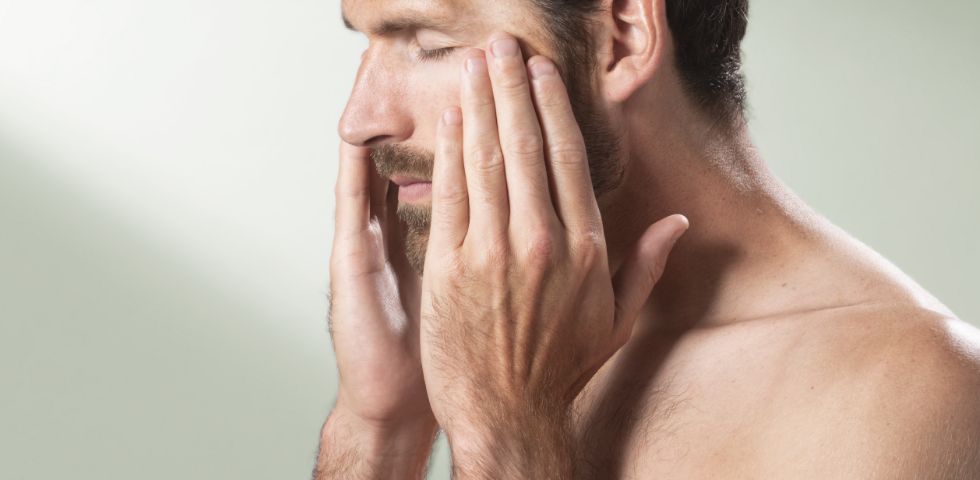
{"x":707,"y":37}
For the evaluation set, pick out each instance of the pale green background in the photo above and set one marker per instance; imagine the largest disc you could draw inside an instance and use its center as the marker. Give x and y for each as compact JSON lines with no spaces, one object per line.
{"x":166,"y":176}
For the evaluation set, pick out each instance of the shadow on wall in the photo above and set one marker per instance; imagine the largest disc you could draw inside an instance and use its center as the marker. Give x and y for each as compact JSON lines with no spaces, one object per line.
{"x":121,"y":361}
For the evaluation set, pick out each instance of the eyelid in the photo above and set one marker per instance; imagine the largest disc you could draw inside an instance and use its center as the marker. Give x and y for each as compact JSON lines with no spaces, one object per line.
{"x":432,"y":37}
{"x":435,"y":54}
{"x":426,"y":54}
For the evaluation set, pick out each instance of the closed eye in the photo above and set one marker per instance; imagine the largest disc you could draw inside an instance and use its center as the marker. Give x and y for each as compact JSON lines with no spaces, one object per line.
{"x":432,"y":55}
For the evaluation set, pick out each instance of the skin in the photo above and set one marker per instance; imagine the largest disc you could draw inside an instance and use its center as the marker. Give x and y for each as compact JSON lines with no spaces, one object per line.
{"x":520,"y":310}
{"x":772,"y":344}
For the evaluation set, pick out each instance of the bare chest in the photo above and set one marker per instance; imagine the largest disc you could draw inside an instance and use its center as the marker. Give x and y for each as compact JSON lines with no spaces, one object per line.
{"x":711,"y":408}
{"x":669,"y":428}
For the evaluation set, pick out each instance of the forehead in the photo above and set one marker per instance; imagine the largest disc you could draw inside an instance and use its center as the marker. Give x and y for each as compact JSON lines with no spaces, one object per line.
{"x":360,"y":11}
{"x":380,"y":17}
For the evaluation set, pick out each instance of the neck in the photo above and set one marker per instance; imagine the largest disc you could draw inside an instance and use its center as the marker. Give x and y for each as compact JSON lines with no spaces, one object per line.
{"x":746,"y":225}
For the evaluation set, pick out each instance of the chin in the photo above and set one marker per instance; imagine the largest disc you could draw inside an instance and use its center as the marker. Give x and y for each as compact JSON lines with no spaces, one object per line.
{"x":416,"y":244}
{"x":416,"y":221}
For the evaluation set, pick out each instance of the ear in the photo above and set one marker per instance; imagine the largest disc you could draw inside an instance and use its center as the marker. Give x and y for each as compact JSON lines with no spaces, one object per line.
{"x":636,"y":37}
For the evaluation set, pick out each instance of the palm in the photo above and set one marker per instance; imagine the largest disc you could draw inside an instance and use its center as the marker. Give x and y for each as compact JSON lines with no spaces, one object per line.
{"x":374,"y":306}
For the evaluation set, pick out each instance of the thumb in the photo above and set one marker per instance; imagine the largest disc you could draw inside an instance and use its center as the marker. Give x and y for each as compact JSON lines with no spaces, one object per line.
{"x":641,"y":270}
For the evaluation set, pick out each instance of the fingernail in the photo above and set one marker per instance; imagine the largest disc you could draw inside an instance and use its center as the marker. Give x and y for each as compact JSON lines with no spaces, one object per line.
{"x":452,"y":117}
{"x":679,"y":232}
{"x":504,"y":47}
{"x":541,"y":68}
{"x":476,"y":65}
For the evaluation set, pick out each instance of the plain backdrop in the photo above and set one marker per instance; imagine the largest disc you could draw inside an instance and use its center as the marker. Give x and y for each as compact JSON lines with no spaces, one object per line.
{"x":166,"y":182}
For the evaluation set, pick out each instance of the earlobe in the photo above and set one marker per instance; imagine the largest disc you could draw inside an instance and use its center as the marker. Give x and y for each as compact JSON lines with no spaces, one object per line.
{"x":638,"y":32}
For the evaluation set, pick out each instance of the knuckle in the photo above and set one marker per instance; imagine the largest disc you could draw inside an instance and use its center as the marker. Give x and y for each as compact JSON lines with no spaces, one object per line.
{"x":488,"y":160}
{"x":482,"y":101}
{"x":570,"y":151}
{"x":441,"y":219}
{"x":512,"y":79}
{"x":350,"y":190}
{"x":526,"y":144}
{"x":541,"y":247}
{"x":587,"y":248}
{"x":450,"y":193}
{"x":588,"y":241}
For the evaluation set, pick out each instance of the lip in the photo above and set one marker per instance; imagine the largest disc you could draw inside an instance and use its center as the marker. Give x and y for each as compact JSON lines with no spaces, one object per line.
{"x":404,"y":180}
{"x":412,"y":189}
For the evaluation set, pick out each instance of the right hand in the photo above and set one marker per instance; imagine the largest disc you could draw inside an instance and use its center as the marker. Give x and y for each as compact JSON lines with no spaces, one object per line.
{"x":374,"y":307}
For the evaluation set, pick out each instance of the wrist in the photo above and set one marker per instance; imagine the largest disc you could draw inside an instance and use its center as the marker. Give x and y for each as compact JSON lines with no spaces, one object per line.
{"x":530,"y":447}
{"x":396,"y":437}
{"x":352,"y":448}
{"x":388,"y":415}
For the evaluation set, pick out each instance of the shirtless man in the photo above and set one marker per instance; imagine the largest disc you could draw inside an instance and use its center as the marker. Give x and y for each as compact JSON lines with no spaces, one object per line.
{"x":561,"y":329}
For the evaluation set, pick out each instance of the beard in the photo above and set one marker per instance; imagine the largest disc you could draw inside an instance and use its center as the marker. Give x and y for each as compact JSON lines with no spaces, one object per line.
{"x":601,"y":142}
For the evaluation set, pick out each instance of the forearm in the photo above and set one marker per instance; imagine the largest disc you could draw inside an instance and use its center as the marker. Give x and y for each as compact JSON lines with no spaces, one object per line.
{"x":352,"y":449}
{"x":539,"y":448}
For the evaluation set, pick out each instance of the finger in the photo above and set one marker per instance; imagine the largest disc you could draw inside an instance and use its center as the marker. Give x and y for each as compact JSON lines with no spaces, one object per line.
{"x":568,"y":161}
{"x":392,"y":230}
{"x":381,"y":188}
{"x":641,"y":270}
{"x":483,"y":159}
{"x":520,"y":136}
{"x":396,"y":253}
{"x":353,"y":189}
{"x":450,"y":204}
{"x":409,"y":282}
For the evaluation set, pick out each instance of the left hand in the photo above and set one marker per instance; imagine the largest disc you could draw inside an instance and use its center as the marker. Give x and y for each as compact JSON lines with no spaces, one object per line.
{"x":519,"y":309}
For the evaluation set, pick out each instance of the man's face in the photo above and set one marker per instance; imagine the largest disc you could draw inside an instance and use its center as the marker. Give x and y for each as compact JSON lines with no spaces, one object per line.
{"x":410,"y":73}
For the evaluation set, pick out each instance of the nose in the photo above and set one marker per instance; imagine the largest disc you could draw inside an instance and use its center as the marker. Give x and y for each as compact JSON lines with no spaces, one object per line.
{"x":377,"y":111}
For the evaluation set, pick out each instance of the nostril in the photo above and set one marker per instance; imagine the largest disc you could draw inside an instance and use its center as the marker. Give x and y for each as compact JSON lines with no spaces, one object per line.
{"x":360,"y":138}
{"x":377,"y":141}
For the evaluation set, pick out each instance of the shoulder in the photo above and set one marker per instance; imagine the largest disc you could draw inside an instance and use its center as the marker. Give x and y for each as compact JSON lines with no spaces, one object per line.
{"x":928,"y":409}
{"x":912,"y":386}
{"x":917,"y":351}
{"x":883,"y":391}
{"x":912,"y":339}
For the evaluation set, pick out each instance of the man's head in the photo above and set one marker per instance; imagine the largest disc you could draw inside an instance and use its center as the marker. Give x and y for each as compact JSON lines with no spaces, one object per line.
{"x":606,"y":50}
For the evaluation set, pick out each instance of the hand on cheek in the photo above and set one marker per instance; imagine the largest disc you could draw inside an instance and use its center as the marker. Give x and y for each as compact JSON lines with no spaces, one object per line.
{"x":518,"y":306}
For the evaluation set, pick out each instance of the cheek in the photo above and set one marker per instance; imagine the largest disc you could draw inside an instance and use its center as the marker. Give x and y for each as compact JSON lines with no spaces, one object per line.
{"x":431,"y":89}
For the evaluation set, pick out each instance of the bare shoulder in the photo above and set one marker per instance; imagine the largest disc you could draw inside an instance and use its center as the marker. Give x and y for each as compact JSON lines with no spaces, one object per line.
{"x":934,"y":358}
{"x":871,"y":391}
{"x":901,"y":396}
{"x":926,"y":417}
{"x":934,"y":346}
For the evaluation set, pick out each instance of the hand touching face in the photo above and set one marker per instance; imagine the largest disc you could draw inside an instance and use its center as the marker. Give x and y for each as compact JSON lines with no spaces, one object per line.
{"x":519,"y":308}
{"x":402,"y":86}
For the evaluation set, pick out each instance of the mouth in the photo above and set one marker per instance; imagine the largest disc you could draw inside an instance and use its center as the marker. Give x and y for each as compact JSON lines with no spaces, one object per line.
{"x":412,"y":189}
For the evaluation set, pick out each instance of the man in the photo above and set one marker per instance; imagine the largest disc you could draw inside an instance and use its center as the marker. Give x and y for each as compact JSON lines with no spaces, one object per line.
{"x":511,"y":175}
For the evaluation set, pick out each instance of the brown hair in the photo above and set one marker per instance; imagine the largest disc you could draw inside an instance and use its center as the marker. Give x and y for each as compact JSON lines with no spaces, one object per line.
{"x":707,"y":37}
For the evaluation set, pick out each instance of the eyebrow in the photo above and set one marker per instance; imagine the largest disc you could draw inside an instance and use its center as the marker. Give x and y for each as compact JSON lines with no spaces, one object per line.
{"x":406,"y":23}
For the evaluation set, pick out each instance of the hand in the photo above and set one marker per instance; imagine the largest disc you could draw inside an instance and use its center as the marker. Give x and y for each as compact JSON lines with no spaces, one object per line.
{"x":374,"y":303}
{"x":519,"y":309}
